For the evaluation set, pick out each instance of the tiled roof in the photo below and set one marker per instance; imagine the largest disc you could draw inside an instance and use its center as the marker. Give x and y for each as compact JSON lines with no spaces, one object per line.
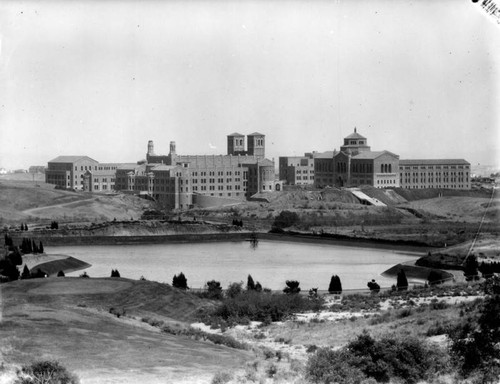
{"x":256,"y":134}
{"x":164,"y":167}
{"x":70,"y":159}
{"x":266,"y":162}
{"x":433,"y":161}
{"x":236,"y":134}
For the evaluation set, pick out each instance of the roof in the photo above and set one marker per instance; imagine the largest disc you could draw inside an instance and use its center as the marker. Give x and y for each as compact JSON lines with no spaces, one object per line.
{"x":236,"y":134}
{"x":70,"y":159}
{"x":355,"y":135}
{"x":372,"y":155}
{"x":164,"y":167}
{"x":266,"y":162}
{"x":128,"y":166}
{"x":433,"y":161}
{"x":256,"y":134}
{"x":325,"y":155}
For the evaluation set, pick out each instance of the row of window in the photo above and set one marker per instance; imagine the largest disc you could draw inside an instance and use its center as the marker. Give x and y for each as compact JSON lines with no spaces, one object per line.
{"x":434,"y":167}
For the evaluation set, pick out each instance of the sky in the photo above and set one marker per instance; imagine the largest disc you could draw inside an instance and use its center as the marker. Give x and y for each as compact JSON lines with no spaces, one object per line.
{"x":101,"y":78}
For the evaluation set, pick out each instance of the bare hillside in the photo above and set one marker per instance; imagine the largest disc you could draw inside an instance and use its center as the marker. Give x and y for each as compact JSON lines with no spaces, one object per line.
{"x":27,"y":201}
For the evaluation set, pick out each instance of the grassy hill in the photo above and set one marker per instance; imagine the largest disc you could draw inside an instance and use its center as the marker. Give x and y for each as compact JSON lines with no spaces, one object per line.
{"x":33,"y":202}
{"x":69,"y":319}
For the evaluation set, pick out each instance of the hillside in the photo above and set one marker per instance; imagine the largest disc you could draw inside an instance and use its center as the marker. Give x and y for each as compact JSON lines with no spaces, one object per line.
{"x":69,"y":319}
{"x":31,"y":202}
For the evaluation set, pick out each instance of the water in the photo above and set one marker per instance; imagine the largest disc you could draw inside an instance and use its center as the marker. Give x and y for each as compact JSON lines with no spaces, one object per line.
{"x":271,"y":262}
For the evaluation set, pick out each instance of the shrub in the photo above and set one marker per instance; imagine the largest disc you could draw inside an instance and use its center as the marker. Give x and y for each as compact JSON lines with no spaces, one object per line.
{"x":402,"y":281}
{"x":328,"y":366}
{"x":45,"y":371}
{"x":84,"y":275}
{"x":474,"y":344}
{"x":234,"y":289}
{"x":335,"y":285}
{"x":61,"y":274}
{"x":285,"y":219}
{"x":180,"y":281}
{"x":214,"y":290}
{"x":292,"y":287}
{"x":222,"y":378}
{"x":265,"y":307}
{"x":115,"y":273}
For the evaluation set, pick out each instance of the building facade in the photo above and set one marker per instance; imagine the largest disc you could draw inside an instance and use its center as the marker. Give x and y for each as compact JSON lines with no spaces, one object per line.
{"x":355,"y":165}
{"x":182,"y":181}
{"x":297,"y":170}
{"x":443,"y":173}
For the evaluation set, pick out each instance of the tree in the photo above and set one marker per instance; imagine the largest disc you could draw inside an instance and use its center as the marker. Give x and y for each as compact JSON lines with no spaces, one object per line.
{"x":234,"y":289}
{"x":474,"y":344}
{"x":374,"y":287}
{"x":285,"y":219}
{"x":250,"y":283}
{"x":115,"y":273}
{"x":335,"y":285}
{"x":214,"y":290}
{"x":180,"y":281}
{"x":40,"y":248}
{"x":7,"y":268}
{"x":26,"y":273}
{"x":471,"y":268}
{"x":61,"y":274}
{"x":292,"y":287}
{"x":402,"y":282}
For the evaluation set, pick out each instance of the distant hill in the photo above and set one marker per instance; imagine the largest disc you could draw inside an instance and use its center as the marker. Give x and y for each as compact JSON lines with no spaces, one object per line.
{"x":32,"y":202}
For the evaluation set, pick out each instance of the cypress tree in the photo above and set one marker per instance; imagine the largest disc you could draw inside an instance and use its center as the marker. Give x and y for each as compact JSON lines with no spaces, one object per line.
{"x":335,"y":285}
{"x":402,"y":281}
{"x":250,"y":283}
{"x":26,"y":273}
{"x":40,"y":248}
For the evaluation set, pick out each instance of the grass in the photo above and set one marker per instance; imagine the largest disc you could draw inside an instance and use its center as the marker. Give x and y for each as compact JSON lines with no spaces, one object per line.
{"x":68,"y":319}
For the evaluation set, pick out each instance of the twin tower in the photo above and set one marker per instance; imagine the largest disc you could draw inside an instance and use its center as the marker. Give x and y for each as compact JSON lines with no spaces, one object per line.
{"x":235,"y":146}
{"x":256,"y":145}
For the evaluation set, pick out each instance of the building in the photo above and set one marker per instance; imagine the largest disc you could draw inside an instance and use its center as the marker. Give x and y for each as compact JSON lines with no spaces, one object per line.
{"x":297,"y":170}
{"x":182,"y":181}
{"x":81,"y":173}
{"x":356,"y":164}
{"x":443,"y":173}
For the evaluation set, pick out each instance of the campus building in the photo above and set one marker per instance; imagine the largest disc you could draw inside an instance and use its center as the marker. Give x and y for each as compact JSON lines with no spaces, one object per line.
{"x":443,"y":173}
{"x":81,"y":173}
{"x":182,"y":181}
{"x":297,"y":170}
{"x":355,"y":164}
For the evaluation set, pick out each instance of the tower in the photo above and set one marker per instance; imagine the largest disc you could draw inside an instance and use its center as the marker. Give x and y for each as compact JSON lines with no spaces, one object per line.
{"x":235,"y":144}
{"x":355,"y":143}
{"x":172,"y":148}
{"x":256,"y":145}
{"x":151,"y":148}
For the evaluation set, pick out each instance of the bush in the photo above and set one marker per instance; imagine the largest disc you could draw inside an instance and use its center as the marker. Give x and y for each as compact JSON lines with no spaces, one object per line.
{"x":285,"y":219}
{"x":180,"y":281}
{"x":265,"y":307}
{"x":61,"y":274}
{"x":214,"y":290}
{"x":84,"y":275}
{"x":115,"y":273}
{"x":234,"y":289}
{"x":45,"y":371}
{"x":335,"y":285}
{"x":292,"y":287}
{"x":222,"y":378}
{"x":402,"y":281}
{"x":388,"y":359}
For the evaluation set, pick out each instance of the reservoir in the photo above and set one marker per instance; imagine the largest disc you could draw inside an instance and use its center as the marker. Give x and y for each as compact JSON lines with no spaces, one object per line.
{"x":270,"y":262}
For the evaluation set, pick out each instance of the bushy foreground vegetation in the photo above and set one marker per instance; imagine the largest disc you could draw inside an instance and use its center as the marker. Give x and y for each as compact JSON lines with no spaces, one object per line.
{"x":45,"y":372}
{"x":409,"y":360}
{"x":240,"y":306}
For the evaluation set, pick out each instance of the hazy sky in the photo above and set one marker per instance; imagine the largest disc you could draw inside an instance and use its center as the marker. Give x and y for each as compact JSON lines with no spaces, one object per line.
{"x":101,"y":78}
